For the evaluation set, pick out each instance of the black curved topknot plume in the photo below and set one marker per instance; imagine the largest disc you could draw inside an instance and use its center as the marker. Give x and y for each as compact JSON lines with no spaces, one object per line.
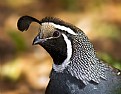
{"x":25,"y":21}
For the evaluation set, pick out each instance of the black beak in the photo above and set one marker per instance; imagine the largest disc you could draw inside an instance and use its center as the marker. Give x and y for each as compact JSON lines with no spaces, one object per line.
{"x":38,"y":40}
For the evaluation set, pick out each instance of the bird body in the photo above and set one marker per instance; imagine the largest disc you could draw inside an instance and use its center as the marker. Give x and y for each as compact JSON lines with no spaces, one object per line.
{"x":66,"y":84}
{"x":76,"y":68}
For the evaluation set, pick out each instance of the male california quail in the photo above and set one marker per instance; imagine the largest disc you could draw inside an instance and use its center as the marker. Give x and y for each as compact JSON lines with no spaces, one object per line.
{"x":76,"y":68}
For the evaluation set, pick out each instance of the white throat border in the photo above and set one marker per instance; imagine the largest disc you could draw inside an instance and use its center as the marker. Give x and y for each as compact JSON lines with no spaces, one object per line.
{"x":60,"y":68}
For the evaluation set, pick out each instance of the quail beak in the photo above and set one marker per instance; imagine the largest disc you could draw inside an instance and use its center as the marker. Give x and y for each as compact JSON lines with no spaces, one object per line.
{"x":38,"y":40}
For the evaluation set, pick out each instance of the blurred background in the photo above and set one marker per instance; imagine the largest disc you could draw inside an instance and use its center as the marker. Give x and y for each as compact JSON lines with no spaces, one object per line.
{"x":24,"y":69}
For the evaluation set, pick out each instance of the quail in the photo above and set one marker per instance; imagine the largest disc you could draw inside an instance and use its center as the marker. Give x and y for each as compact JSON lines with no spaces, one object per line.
{"x":76,"y":68}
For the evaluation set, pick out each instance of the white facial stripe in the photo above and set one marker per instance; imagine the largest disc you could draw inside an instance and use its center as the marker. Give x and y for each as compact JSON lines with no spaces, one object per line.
{"x":60,"y":68}
{"x":69,"y":47}
{"x":62,"y":28}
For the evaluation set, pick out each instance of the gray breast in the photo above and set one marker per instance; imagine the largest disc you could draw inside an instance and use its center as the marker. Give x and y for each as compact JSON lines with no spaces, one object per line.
{"x":112,"y":85}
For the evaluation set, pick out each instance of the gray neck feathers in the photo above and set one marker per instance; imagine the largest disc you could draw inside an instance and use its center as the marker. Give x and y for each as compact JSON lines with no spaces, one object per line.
{"x":84,"y":64}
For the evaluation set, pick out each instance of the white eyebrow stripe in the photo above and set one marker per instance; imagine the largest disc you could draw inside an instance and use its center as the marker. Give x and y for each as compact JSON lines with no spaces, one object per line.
{"x":67,"y":29}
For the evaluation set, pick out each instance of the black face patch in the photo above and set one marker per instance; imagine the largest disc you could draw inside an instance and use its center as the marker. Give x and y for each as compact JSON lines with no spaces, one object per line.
{"x":57,"y":48}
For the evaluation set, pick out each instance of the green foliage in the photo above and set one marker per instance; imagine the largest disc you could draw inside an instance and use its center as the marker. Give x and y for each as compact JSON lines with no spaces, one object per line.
{"x":98,"y":2}
{"x":70,"y":5}
{"x":110,"y":60}
{"x":74,"y":5}
{"x":11,"y":70}
{"x":108,"y":31}
{"x":18,"y":40}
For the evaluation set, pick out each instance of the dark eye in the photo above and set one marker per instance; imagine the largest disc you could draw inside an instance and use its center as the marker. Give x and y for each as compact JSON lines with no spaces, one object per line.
{"x":56,"y":34}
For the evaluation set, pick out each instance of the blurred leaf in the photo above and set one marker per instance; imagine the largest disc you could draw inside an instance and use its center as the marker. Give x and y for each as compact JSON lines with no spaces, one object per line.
{"x":70,"y":5}
{"x":18,"y":40}
{"x":108,"y":30}
{"x":12,"y":70}
{"x":110,"y":60}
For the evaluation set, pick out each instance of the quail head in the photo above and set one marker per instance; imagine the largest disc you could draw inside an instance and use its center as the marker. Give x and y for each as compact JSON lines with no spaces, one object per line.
{"x":74,"y":57}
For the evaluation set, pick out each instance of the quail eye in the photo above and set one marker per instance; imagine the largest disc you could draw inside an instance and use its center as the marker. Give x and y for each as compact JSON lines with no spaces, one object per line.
{"x":56,"y":34}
